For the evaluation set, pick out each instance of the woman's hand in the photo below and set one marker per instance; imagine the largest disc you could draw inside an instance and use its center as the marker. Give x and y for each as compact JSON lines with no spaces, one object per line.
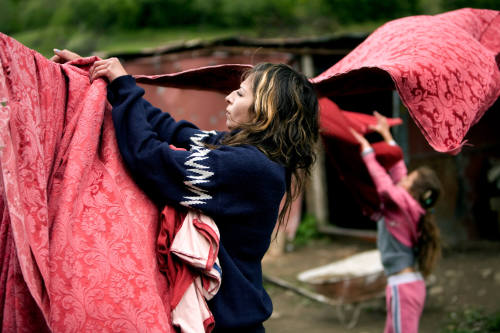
{"x":382,"y":126}
{"x":62,"y":56}
{"x":361,"y":139}
{"x":109,"y":68}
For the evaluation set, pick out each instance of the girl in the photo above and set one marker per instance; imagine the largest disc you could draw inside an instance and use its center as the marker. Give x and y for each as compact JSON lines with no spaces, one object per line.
{"x":237,"y":177}
{"x":408,"y":237}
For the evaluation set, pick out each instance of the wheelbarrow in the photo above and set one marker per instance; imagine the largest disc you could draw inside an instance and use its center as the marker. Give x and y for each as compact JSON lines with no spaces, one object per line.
{"x":348,"y":284}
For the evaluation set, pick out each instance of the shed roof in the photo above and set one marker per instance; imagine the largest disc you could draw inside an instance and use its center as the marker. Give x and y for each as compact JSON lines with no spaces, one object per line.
{"x":337,"y":44}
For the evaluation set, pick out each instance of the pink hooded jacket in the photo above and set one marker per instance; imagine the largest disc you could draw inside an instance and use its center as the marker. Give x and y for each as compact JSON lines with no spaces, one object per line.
{"x":400,"y":210}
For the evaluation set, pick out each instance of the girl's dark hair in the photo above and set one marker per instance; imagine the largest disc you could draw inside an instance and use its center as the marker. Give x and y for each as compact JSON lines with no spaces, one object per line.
{"x":426,"y":189}
{"x":283,"y":125}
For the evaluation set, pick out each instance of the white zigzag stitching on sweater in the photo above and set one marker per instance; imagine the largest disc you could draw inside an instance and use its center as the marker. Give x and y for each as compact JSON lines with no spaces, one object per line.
{"x":198,"y":173}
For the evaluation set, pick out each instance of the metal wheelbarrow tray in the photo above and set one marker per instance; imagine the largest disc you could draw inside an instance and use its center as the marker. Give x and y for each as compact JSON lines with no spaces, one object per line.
{"x":349,"y":284}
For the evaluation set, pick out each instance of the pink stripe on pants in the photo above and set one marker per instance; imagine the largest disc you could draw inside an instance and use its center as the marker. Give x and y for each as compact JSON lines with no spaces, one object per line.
{"x":405,"y":298}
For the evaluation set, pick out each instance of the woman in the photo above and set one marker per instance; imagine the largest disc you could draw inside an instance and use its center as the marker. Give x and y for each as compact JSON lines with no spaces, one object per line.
{"x":237,"y":177}
{"x":408,"y":238}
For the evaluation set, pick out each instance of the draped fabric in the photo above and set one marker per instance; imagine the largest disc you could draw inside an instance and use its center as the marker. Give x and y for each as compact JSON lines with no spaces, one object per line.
{"x":78,"y":237}
{"x":444,"y":67}
{"x":188,"y":244}
{"x":219,"y":78}
{"x":343,"y":151}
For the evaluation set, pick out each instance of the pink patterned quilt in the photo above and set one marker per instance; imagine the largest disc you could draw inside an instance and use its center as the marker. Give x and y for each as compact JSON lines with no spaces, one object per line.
{"x":444,"y":67}
{"x":78,"y":238}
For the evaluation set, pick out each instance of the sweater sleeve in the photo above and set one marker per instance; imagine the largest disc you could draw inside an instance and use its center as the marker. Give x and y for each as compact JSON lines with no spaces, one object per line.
{"x":386,"y":188}
{"x":123,"y":93}
{"x":198,"y":177}
{"x":397,"y":205}
{"x":398,"y":171}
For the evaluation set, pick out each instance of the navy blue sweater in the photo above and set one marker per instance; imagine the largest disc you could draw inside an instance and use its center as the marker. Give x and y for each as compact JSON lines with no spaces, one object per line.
{"x":239,"y":187}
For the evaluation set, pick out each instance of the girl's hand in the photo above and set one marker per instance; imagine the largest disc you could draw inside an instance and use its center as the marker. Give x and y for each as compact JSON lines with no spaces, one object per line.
{"x":361,"y":139}
{"x":109,"y":68}
{"x":62,"y":56}
{"x":382,"y":126}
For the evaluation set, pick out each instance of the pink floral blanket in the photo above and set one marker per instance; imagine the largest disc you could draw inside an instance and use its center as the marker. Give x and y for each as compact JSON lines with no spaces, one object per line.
{"x":444,"y":67}
{"x":78,"y":238}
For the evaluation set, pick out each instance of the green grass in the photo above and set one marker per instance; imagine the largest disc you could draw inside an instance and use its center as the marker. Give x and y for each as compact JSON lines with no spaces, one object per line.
{"x":307,"y":231}
{"x":473,"y":321}
{"x":132,"y":41}
{"x":87,"y":42}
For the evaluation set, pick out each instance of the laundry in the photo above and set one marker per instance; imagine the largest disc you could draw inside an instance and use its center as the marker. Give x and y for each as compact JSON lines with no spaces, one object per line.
{"x":342,"y":150}
{"x":188,"y":245}
{"x":220,"y":78}
{"x":78,"y":239}
{"x":444,"y":67}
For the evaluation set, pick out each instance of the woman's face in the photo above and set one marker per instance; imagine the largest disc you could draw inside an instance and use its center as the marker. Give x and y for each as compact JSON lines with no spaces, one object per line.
{"x":239,"y":104}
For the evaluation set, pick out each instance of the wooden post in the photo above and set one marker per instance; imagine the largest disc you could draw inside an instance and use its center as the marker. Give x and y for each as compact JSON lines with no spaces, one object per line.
{"x":401,"y":132}
{"x":313,"y":200}
{"x":316,"y":189}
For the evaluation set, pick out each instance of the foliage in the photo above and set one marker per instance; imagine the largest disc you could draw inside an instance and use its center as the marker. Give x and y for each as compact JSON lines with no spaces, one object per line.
{"x":473,"y":321}
{"x":100,"y":15}
{"x":84,"y":25}
{"x":307,"y":231}
{"x":348,"y":11}
{"x":456,"y":4}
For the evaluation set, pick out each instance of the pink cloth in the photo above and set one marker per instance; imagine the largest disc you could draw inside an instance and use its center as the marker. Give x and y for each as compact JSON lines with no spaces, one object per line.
{"x":343,"y":150}
{"x":221,"y":78}
{"x":398,"y":171}
{"x":444,"y":67}
{"x":188,"y":244}
{"x":73,"y":221}
{"x":15,"y":297}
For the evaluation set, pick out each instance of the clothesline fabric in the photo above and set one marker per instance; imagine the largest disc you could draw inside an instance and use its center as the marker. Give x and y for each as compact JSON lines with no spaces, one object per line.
{"x":220,"y":78}
{"x":343,"y":151}
{"x":78,"y":237}
{"x":444,"y":67}
{"x":188,"y":244}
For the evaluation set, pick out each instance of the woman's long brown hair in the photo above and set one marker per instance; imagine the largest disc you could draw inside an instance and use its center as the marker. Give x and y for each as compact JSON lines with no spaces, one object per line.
{"x":426,"y":189}
{"x":284,"y":124}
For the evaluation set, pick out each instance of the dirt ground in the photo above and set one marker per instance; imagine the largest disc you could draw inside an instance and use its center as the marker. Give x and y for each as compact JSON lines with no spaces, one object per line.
{"x":467,"y":277}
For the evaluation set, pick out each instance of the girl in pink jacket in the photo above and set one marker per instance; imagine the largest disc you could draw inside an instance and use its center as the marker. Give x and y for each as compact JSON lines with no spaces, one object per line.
{"x":408,"y":238}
